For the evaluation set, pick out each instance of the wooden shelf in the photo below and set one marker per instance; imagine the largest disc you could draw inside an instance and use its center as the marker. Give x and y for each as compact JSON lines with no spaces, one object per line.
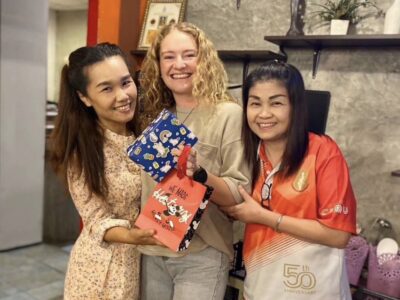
{"x":319,"y":42}
{"x":245,"y":56}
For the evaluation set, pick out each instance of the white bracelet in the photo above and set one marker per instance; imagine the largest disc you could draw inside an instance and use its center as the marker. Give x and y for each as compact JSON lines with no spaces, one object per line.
{"x":278,"y":222}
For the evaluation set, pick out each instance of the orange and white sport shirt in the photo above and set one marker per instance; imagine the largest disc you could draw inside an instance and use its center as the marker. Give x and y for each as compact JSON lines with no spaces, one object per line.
{"x":280,"y":266}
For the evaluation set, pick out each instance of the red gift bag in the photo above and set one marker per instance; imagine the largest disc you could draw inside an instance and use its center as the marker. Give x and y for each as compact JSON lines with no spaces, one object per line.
{"x":175,"y":207}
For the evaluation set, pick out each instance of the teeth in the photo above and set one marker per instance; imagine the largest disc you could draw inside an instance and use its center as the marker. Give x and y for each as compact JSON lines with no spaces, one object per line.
{"x":180,"y":76}
{"x":124,"y":108}
{"x":265,"y":125}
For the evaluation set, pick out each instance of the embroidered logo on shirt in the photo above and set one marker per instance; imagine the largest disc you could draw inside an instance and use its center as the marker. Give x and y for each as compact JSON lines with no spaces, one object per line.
{"x":301,"y":181}
{"x":337,"y":209}
{"x":299,"y":279}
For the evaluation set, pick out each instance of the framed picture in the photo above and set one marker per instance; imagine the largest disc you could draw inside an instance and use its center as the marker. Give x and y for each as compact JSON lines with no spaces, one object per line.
{"x":159,"y":13}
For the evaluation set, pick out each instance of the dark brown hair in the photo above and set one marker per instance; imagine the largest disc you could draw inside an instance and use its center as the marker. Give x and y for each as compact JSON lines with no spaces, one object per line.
{"x":77,"y":140}
{"x":297,"y":142}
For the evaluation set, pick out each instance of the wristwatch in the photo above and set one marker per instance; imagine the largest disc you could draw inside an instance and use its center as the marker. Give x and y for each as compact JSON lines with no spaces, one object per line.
{"x":200,"y":175}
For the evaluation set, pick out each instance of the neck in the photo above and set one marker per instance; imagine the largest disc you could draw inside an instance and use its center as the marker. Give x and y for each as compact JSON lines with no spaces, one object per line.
{"x":121,"y":130}
{"x":274,"y":151}
{"x":183,"y":101}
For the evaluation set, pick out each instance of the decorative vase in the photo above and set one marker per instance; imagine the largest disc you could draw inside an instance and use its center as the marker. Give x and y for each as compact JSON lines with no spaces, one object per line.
{"x":392,"y":19}
{"x":339,"y":27}
{"x":297,"y":9}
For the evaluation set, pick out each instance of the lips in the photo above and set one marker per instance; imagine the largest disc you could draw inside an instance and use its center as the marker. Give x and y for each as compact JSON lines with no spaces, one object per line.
{"x":124,"y":108}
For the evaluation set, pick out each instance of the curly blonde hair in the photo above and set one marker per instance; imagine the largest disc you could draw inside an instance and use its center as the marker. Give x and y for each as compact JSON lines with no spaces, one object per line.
{"x":209,"y":81}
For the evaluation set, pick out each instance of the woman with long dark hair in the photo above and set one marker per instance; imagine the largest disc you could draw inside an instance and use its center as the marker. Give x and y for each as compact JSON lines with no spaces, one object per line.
{"x":94,"y":127}
{"x":302,"y":210}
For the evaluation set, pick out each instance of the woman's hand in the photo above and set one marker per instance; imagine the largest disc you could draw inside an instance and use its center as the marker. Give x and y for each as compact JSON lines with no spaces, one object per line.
{"x":312,"y":231}
{"x":191,"y":165}
{"x":222,"y":195}
{"x":139,"y":236}
{"x":133,"y":236}
{"x":249,"y":211}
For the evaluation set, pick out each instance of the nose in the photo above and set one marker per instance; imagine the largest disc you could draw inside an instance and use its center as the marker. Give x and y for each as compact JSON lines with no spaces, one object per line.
{"x":265,"y":112}
{"x":179,"y":62}
{"x":121,"y":94}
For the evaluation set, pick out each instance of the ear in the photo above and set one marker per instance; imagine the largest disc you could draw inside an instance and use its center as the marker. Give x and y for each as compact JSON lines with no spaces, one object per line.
{"x":84,"y":99}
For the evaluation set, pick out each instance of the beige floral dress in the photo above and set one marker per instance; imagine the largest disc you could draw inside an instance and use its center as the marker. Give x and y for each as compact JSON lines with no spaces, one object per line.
{"x":97,"y":269}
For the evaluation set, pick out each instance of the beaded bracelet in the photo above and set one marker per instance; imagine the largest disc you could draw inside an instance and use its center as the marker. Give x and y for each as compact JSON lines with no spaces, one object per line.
{"x":278,"y":222}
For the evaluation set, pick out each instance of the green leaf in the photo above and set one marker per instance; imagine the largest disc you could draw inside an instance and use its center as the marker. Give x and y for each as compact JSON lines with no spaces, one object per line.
{"x":351,"y":10}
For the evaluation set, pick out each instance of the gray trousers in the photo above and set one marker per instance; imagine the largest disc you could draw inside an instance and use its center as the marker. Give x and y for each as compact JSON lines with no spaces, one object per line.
{"x":196,"y":276}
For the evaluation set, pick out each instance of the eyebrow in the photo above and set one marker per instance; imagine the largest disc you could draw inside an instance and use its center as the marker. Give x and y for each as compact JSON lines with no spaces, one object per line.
{"x":173,"y":52}
{"x":270,"y":98}
{"x":105,"y":83}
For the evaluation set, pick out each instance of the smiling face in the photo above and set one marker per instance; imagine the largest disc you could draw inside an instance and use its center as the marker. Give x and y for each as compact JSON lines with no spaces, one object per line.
{"x":178,"y":63}
{"x":111,"y":92}
{"x":268,"y":111}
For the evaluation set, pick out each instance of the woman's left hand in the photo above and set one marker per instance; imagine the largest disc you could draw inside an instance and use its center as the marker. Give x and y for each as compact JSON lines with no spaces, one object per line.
{"x":249,"y":211}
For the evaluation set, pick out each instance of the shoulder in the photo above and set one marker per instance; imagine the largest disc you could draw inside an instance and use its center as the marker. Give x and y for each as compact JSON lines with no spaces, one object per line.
{"x":227,"y":111}
{"x":323,"y":144}
{"x":228,"y":114}
{"x":228,"y":106}
{"x":325,"y":150}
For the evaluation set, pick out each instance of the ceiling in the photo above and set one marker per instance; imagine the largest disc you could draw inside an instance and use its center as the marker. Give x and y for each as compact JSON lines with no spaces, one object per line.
{"x":68,"y":4}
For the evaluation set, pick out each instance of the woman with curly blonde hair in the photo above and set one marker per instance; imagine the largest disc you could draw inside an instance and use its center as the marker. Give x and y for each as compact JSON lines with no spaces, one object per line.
{"x":182,"y":72}
{"x":209,"y":83}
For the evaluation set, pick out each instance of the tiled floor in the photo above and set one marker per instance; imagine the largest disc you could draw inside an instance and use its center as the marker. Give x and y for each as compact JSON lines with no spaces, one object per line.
{"x":33,"y":273}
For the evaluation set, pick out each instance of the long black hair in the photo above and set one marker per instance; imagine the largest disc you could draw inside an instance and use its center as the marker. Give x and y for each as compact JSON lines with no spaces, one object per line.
{"x":297,"y":142}
{"x":77,"y":137}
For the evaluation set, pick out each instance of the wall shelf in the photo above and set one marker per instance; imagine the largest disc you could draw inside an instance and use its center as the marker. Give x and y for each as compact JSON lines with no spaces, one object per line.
{"x":245,"y":56}
{"x":319,"y":42}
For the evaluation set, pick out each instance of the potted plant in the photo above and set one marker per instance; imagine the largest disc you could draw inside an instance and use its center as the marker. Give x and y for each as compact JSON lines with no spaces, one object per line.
{"x":341,"y":13}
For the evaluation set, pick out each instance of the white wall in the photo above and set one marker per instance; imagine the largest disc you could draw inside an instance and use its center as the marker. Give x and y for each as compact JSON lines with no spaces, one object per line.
{"x":51,"y":55}
{"x":23,"y":43}
{"x":66,"y":32}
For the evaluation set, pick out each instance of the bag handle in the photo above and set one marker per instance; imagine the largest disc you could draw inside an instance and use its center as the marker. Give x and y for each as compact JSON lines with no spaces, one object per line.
{"x":182,"y":161}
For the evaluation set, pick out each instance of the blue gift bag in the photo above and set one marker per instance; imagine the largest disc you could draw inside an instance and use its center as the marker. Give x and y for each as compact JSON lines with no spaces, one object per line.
{"x":152,"y":149}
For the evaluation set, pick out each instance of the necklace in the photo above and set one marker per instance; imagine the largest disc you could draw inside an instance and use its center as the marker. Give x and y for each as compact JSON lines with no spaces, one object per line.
{"x":187,"y":116}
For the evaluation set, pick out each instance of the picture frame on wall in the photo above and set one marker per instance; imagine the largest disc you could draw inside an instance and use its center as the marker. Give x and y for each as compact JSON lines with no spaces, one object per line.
{"x":159,"y":13}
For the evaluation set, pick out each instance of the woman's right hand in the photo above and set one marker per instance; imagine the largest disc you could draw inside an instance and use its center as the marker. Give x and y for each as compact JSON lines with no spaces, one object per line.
{"x":249,"y":211}
{"x":143,"y":237}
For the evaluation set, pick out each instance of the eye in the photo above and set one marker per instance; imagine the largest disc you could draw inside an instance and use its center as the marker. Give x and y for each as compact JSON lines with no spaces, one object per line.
{"x":127,"y":82}
{"x":190,"y":55}
{"x":106,"y":89}
{"x":276,"y":103}
{"x":167,"y":57}
{"x":254,"y":103}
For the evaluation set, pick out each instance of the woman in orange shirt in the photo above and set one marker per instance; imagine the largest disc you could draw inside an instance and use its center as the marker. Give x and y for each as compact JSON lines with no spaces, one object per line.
{"x":302,"y":210}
